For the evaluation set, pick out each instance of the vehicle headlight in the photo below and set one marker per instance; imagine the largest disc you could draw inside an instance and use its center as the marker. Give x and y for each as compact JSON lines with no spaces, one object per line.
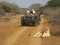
{"x":24,"y":18}
{"x":32,"y":18}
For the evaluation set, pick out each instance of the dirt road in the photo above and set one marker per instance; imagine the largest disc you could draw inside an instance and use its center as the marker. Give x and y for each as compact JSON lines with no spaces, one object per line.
{"x":13,"y":33}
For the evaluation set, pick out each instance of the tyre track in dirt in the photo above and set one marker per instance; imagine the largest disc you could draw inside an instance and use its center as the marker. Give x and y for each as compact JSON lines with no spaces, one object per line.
{"x":27,"y":38}
{"x":7,"y":33}
{"x":11,"y":39}
{"x":9,"y":28}
{"x":24,"y":39}
{"x":23,"y":35}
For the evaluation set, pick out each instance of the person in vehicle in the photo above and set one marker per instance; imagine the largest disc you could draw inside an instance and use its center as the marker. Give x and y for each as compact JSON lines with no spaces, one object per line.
{"x":30,"y":12}
{"x":27,"y":11}
{"x":33,"y":11}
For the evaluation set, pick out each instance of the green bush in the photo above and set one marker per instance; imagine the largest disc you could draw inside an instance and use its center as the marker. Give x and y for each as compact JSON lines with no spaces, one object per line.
{"x":53,"y":3}
{"x":1,"y":12}
{"x":7,"y":7}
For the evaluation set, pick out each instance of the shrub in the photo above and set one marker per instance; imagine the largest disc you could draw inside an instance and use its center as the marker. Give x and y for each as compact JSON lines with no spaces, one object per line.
{"x":1,"y":12}
{"x":53,"y":15}
{"x":7,"y":19}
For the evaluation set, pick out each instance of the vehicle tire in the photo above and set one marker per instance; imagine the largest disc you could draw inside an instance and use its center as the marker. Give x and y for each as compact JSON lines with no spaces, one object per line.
{"x":35,"y":24}
{"x":22,"y":24}
{"x":38,"y":23}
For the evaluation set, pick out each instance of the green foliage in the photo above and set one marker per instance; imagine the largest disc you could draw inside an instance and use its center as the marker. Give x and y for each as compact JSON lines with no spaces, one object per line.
{"x":7,"y":8}
{"x":53,"y":3}
{"x":1,"y":12}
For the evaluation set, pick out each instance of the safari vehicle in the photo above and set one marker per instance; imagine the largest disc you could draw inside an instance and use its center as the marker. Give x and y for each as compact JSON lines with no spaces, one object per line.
{"x":30,"y":20}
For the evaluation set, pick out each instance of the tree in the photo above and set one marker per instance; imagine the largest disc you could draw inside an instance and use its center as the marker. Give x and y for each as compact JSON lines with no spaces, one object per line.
{"x":7,"y":7}
{"x":53,"y":3}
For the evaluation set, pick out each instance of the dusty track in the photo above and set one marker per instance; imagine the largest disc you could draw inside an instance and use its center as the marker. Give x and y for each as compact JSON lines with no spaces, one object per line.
{"x":13,"y":33}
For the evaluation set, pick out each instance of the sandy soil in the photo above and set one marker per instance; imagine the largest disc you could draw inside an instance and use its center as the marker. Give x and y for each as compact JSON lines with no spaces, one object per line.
{"x":12,"y":33}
